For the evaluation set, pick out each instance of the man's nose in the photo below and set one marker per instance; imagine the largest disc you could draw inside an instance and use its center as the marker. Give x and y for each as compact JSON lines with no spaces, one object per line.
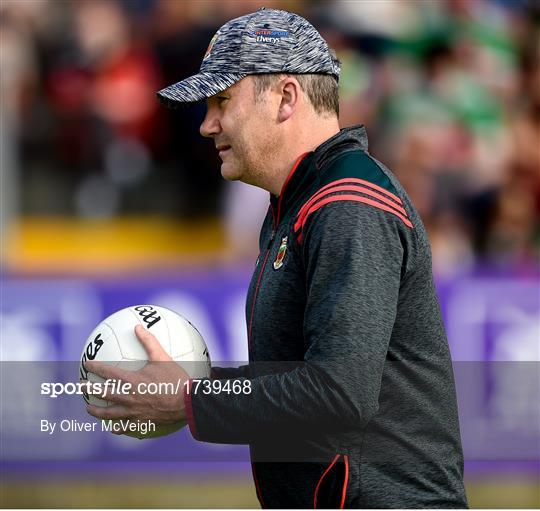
{"x":210,"y":125}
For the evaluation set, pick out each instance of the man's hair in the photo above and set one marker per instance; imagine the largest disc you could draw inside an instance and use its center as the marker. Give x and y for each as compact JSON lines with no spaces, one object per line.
{"x":321,"y":90}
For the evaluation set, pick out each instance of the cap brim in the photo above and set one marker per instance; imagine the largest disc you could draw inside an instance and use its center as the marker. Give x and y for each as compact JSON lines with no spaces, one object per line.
{"x":197,"y":88}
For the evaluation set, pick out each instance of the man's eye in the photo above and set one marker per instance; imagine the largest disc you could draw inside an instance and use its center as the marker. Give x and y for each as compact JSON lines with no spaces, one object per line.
{"x":221,"y":99}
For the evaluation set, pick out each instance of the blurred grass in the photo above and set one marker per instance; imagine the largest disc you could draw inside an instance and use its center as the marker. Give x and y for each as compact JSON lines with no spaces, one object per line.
{"x":228,"y":494}
{"x":504,"y":493}
{"x":493,"y":493}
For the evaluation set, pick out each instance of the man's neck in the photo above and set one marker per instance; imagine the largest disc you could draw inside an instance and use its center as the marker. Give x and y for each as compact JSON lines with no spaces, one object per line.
{"x":296,"y":144}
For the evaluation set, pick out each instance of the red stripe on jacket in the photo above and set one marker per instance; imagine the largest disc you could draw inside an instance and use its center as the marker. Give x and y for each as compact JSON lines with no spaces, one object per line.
{"x":359,"y":181}
{"x":327,"y":190}
{"x":355,"y":198}
{"x":336,"y":457}
{"x":345,"y":481}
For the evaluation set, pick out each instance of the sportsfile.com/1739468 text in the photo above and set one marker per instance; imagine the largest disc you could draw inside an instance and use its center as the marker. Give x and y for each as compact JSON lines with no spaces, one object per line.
{"x":111,"y":386}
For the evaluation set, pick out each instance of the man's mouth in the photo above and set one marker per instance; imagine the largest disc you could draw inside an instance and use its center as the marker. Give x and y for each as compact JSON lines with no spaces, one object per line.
{"x":222,"y":148}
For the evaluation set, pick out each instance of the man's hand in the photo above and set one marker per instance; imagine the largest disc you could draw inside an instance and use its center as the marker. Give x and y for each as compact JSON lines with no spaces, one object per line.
{"x":165,"y":407}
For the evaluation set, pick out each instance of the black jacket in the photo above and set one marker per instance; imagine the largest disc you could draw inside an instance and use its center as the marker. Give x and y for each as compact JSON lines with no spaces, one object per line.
{"x":353,"y":401}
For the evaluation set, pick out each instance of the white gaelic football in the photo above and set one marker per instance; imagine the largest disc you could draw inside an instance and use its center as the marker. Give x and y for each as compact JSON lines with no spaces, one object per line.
{"x":114,"y":341}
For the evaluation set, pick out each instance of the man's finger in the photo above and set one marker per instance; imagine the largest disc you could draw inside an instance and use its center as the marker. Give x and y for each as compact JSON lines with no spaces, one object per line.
{"x":107,"y":371}
{"x":110,"y":391}
{"x":153,"y":348}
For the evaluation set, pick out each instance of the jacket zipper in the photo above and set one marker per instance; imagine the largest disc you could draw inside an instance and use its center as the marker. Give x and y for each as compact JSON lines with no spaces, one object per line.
{"x":263,"y":265}
{"x":275,"y":224}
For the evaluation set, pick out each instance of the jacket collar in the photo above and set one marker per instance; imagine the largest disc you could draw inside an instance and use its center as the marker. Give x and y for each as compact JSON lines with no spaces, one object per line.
{"x":305,"y":169}
{"x":352,"y":137}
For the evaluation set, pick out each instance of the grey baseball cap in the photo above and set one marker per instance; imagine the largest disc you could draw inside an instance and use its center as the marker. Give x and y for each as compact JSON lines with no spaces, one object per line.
{"x":266,"y":41}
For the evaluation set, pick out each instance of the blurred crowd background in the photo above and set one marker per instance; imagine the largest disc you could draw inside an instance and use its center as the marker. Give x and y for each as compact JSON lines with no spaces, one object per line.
{"x":98,"y":177}
{"x":449,"y":91}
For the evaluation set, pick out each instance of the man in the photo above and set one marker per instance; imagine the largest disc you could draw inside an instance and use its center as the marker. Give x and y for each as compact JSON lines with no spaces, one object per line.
{"x":357,"y":407}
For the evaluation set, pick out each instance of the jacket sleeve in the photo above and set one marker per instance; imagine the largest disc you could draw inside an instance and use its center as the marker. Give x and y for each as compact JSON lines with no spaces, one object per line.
{"x":353,"y":256}
{"x":229,"y":373}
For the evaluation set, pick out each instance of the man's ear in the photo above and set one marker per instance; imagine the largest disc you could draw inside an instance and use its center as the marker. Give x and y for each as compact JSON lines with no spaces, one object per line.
{"x":290,"y":91}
